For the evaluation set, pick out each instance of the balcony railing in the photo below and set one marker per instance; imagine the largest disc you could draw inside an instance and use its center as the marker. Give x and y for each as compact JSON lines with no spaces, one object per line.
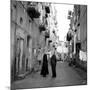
{"x":42,"y":28}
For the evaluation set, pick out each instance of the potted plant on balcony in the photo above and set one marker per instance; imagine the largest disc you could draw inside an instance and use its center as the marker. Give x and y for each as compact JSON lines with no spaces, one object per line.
{"x":42,"y":28}
{"x":33,"y":13}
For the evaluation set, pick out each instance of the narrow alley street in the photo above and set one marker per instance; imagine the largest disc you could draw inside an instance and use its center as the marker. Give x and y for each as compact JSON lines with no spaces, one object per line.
{"x":48,"y":37}
{"x":66,"y":76}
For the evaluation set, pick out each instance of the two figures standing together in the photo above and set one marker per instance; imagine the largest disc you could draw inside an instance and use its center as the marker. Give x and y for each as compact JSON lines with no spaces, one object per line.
{"x":44,"y":69}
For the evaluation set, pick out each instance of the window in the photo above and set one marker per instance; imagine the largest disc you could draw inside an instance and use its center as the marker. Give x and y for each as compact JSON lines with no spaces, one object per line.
{"x":28,"y":39}
{"x":21,"y":20}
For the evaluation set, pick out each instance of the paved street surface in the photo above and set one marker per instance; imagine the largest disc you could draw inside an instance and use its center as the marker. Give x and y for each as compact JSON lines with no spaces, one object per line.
{"x":66,"y":76}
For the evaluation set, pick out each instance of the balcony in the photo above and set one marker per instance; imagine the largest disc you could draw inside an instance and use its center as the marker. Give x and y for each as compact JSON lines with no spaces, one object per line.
{"x":47,"y":34}
{"x":69,"y":36}
{"x":33,"y":13}
{"x":42,"y":28}
{"x":47,"y":9}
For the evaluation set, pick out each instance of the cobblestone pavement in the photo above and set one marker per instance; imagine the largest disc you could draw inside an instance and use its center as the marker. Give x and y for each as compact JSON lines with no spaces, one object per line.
{"x":66,"y":76}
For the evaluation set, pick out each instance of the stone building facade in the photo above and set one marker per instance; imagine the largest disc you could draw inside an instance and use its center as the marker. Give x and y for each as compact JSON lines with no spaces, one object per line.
{"x":78,"y":27}
{"x":30,"y":35}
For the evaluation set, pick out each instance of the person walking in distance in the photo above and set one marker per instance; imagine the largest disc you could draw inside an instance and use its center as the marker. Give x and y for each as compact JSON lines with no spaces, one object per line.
{"x":53,"y":65}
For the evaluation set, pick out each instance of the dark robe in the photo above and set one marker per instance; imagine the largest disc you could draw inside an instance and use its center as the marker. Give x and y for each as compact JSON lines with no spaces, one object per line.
{"x":44,"y":69}
{"x":53,"y":65}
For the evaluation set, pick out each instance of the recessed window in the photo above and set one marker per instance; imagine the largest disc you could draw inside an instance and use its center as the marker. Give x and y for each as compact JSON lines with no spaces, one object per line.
{"x":29,"y":21}
{"x":28,"y":39}
{"x":21,"y":20}
{"x":14,"y":6}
